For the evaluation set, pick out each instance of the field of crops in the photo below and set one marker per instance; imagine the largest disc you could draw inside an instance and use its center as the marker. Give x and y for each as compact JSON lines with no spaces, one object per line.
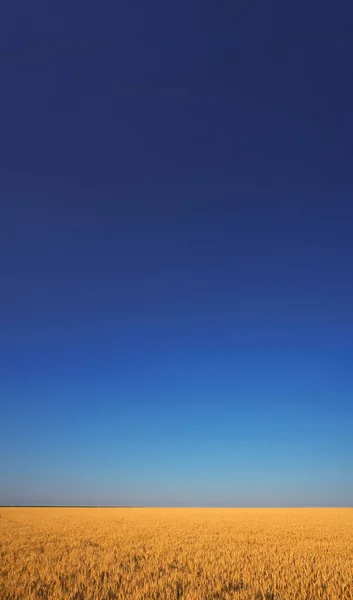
{"x":166,"y":553}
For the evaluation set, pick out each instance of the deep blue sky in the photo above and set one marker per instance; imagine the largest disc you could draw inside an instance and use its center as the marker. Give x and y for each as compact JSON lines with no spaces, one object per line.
{"x":176,"y":243}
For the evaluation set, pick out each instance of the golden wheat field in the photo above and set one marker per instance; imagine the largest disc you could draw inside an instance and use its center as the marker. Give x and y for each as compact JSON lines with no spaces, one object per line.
{"x":170,"y":553}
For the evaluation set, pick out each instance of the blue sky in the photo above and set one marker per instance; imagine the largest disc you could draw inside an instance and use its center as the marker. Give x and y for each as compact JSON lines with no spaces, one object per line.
{"x":176,"y":239}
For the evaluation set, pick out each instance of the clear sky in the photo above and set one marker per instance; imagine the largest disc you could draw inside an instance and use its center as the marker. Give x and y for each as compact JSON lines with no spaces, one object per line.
{"x":176,"y":244}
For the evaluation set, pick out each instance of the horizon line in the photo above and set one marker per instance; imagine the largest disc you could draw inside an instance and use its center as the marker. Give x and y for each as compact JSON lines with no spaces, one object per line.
{"x":171,"y":506}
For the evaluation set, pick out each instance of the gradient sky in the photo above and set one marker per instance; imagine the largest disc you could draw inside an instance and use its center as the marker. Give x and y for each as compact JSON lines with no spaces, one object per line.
{"x":176,"y":243}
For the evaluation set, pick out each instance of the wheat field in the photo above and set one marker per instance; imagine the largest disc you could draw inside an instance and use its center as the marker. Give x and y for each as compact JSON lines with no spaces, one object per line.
{"x":171,"y":553}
